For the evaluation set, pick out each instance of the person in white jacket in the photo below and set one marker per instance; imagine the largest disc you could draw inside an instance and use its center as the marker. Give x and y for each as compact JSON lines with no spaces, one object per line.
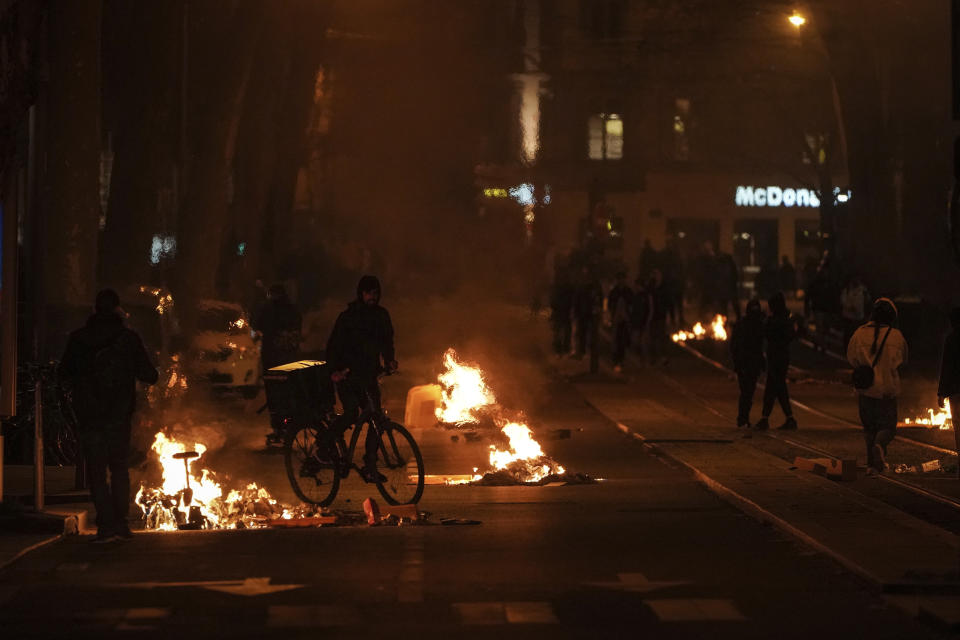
{"x":878,"y":402}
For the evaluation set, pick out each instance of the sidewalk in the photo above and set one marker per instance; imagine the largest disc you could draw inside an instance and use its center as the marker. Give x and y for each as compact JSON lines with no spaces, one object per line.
{"x":21,"y":528}
{"x":895,"y":552}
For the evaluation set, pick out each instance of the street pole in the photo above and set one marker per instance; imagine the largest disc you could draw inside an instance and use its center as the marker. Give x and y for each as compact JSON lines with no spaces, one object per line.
{"x":38,"y":484}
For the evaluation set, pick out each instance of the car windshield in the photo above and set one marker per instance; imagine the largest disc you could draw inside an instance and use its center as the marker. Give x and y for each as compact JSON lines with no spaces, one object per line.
{"x":221,"y":320}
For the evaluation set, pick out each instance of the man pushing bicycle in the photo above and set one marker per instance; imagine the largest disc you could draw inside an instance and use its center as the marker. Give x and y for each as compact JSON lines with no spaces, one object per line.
{"x":361,"y":338}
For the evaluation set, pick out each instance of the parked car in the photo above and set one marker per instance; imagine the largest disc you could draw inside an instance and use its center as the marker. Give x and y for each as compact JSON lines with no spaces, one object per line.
{"x":225,"y":350}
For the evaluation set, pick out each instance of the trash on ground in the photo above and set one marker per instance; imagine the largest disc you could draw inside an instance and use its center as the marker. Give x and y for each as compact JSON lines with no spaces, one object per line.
{"x":833,"y":468}
{"x":372,"y":511}
{"x":458,"y":521}
{"x":932,"y":465}
{"x":296,"y":523}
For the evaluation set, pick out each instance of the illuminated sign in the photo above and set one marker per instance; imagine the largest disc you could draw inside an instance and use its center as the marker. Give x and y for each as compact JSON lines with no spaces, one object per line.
{"x":773,"y":196}
{"x":495,"y":193}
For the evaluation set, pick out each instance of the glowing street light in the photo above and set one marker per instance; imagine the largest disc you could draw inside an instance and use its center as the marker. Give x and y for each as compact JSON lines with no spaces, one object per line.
{"x":797,"y":20}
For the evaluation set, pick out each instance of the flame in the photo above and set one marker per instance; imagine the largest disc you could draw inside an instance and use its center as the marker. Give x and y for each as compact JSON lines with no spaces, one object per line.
{"x":463,"y":394}
{"x":463,"y":391}
{"x":940,"y":418}
{"x":717,"y":331}
{"x":523,"y":448}
{"x":165,"y":508}
{"x":239,"y":323}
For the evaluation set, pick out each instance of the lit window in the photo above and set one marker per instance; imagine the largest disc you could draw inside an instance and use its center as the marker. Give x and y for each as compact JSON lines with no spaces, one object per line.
{"x":605,"y":137}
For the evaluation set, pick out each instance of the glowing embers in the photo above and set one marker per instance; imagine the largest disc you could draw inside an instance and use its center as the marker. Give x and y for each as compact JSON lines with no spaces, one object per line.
{"x":716,"y":331}
{"x":466,"y":399}
{"x":935,"y":419}
{"x":192,"y":499}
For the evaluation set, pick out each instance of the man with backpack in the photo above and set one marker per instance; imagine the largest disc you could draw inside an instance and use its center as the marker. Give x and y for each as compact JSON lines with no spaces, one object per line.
{"x":102,"y":362}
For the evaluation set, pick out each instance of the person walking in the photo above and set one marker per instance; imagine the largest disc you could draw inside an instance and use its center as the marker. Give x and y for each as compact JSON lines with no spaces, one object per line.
{"x":659,"y":299}
{"x":746,"y":348}
{"x":101,"y":364}
{"x":561,"y":310}
{"x":587,"y":307}
{"x":780,"y":331}
{"x":853,"y":306}
{"x":787,"y":277}
{"x":728,"y":278}
{"x":619,"y":305}
{"x":639,"y":314}
{"x":949,"y":387}
{"x":880,"y":346}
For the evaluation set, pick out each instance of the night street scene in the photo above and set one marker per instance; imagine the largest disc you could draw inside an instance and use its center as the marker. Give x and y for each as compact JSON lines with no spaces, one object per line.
{"x":479,"y":318}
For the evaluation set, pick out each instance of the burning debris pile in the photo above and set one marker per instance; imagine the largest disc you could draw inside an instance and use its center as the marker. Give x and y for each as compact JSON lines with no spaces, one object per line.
{"x":467,"y":400}
{"x":186,"y":500}
{"x":935,"y":419}
{"x":716,"y":331}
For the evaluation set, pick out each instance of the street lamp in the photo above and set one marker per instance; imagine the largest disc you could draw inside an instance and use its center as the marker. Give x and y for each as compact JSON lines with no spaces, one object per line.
{"x":797,"y":20}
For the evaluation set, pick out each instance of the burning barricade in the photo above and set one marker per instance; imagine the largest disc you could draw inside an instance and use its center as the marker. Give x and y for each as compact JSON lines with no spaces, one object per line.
{"x":716,"y":330}
{"x":935,"y":419}
{"x":187,"y":499}
{"x":467,"y":400}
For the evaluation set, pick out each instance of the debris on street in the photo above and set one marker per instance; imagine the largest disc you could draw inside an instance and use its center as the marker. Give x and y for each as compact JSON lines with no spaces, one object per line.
{"x":836,"y":469}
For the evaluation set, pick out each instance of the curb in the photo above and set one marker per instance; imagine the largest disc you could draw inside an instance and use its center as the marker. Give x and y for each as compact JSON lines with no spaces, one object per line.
{"x":6,"y":563}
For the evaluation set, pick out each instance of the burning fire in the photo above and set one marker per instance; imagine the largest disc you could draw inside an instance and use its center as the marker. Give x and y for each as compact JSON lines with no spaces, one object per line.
{"x":717,"y":331}
{"x":939,"y":418}
{"x":188,"y":500}
{"x":463,"y":391}
{"x":463,"y":394}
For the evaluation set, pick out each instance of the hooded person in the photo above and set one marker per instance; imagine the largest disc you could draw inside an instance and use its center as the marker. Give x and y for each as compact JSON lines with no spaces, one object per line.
{"x":780,"y":331}
{"x":746,"y":349}
{"x":101,"y":364}
{"x":880,"y":345}
{"x":280,"y":323}
{"x":359,"y":348}
{"x":949,"y":387}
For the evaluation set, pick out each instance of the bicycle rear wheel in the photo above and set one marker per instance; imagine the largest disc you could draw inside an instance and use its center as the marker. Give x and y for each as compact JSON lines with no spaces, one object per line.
{"x":312,"y":473}
{"x":400,"y":461}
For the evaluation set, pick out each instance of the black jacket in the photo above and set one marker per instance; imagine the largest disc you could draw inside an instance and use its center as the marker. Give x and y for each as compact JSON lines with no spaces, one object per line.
{"x":279,"y":321}
{"x":780,"y":332}
{"x":362,"y":335}
{"x":746,"y":345}
{"x":618,"y":293}
{"x":950,"y":368}
{"x":79,"y":368}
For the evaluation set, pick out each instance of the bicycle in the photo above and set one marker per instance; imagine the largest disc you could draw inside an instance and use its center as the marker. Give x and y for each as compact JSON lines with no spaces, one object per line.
{"x":60,"y":439}
{"x":316,"y":464}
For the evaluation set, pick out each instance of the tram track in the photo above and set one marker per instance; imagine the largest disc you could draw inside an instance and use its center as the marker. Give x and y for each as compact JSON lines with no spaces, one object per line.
{"x":912,"y":488}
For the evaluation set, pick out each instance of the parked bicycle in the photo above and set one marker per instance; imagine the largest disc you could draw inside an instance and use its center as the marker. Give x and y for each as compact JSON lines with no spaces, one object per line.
{"x":316,"y":462}
{"x":61,"y":444}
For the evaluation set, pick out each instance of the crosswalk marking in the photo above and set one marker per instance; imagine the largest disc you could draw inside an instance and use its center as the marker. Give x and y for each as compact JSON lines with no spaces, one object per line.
{"x":492,"y":613}
{"x":312,"y":616}
{"x":694,"y":609}
{"x":530,"y":613}
{"x":637,"y":583}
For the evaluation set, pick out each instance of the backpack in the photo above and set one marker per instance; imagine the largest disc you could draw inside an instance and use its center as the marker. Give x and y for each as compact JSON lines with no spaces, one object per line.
{"x":109,"y":375}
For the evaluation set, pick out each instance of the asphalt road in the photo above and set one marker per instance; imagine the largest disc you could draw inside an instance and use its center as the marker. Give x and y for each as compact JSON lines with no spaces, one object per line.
{"x":646,"y":552}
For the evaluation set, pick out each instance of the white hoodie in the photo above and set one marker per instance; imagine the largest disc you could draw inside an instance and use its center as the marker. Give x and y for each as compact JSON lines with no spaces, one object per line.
{"x":886,"y":378}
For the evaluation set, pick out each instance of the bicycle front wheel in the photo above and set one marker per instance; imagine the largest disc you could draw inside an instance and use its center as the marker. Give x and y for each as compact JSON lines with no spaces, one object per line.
{"x":400,"y":461}
{"x":312,"y":473}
